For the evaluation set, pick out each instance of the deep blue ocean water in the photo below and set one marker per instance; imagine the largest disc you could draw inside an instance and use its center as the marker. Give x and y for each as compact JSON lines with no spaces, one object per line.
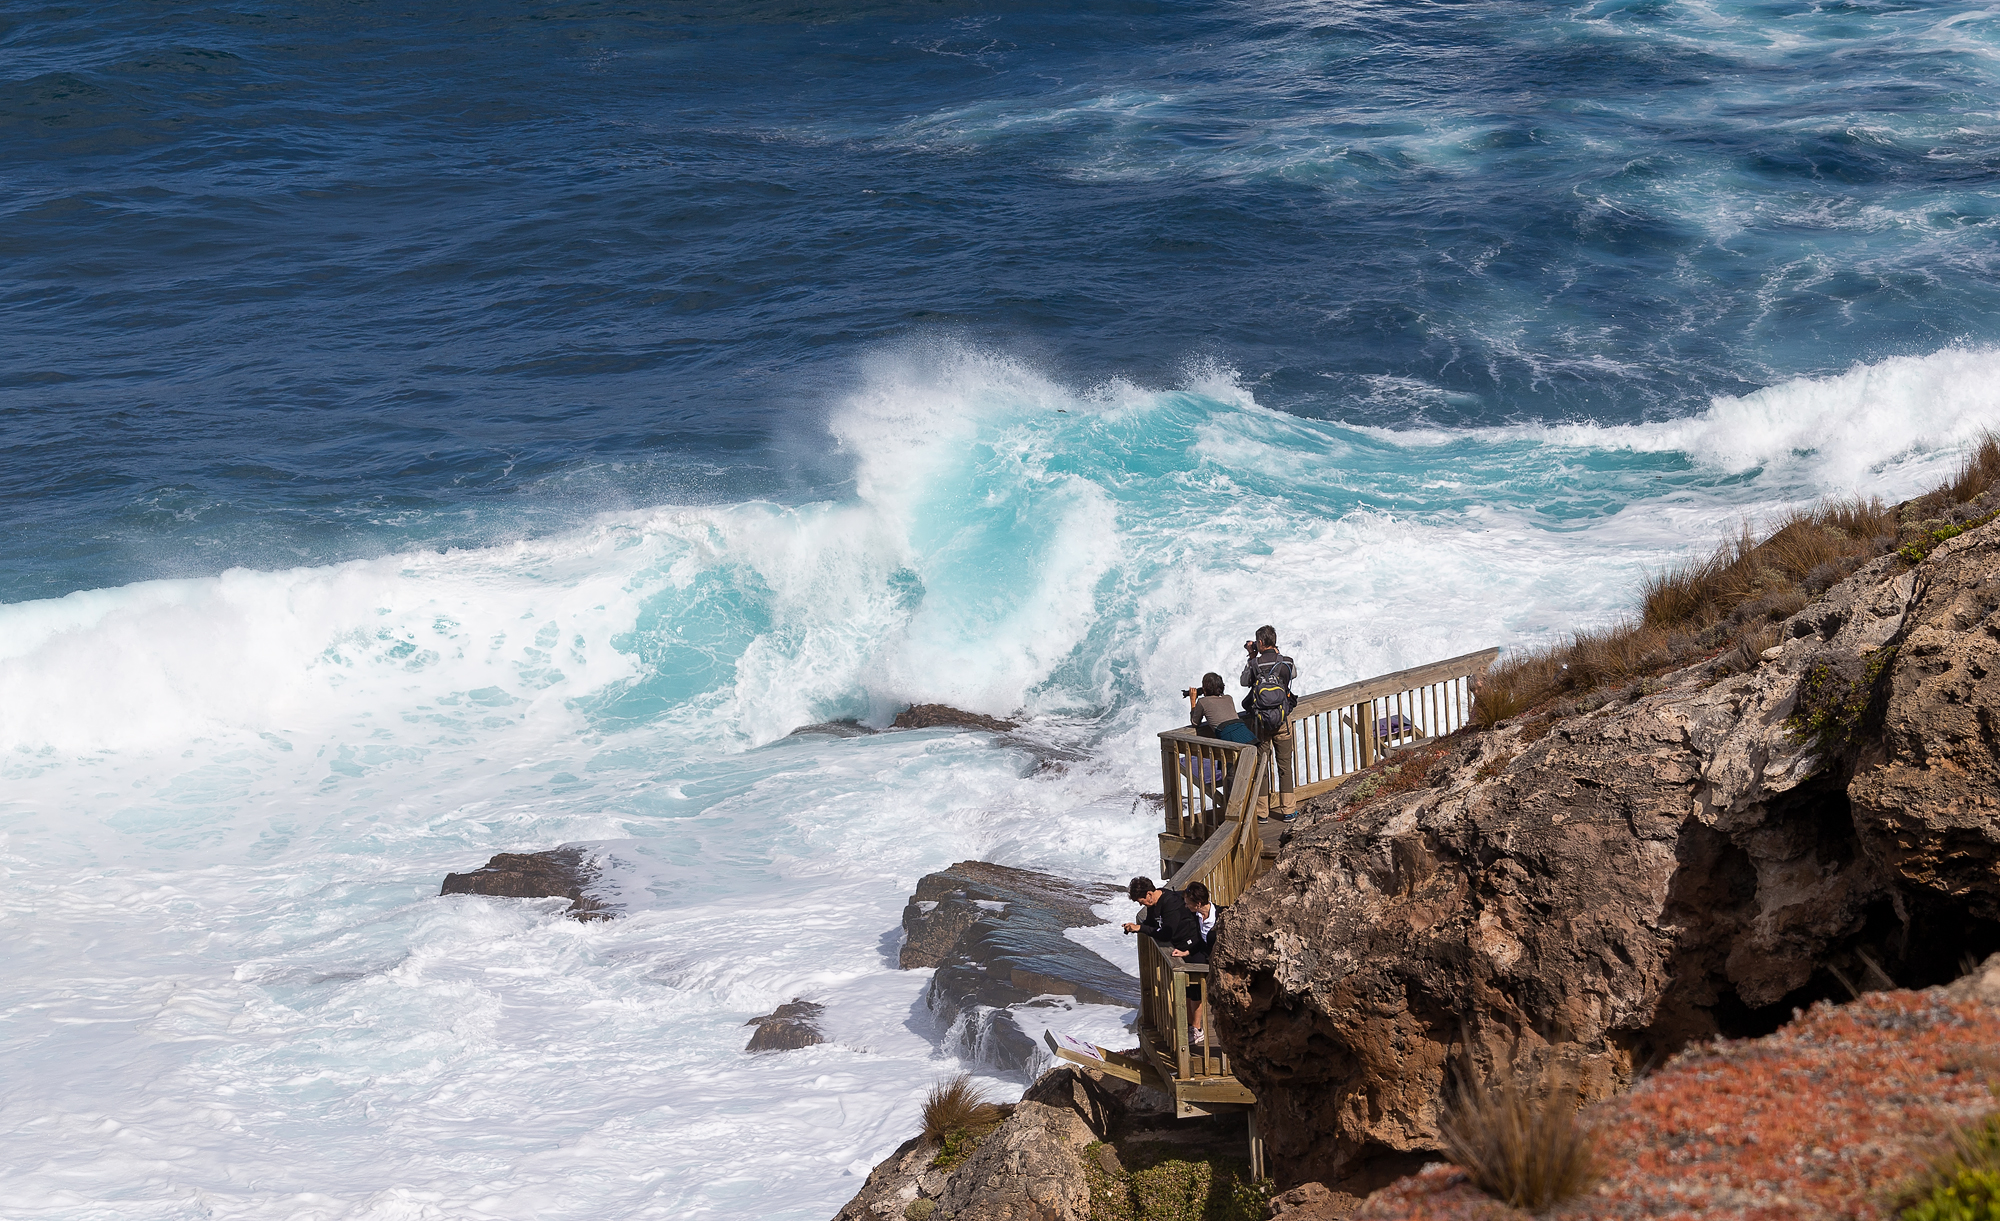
{"x":429,"y":430}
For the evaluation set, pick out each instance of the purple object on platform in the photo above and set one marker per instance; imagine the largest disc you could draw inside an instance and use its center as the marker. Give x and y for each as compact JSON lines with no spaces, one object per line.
{"x":1394,"y":726}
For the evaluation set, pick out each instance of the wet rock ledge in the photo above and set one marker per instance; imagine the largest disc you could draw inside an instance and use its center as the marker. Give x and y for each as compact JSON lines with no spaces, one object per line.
{"x":995,"y":935}
{"x":555,"y":873}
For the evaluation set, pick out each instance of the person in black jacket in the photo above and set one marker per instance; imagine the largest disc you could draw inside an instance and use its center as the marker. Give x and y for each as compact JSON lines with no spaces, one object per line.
{"x":1167,"y":919}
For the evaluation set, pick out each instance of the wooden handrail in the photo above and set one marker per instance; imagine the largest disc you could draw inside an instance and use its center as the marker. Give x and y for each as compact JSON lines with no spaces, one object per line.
{"x":1211,"y":834}
{"x":1391,"y":684}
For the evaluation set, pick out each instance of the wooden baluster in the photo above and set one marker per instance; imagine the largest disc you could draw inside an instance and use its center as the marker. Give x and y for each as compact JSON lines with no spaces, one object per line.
{"x":1178,"y":983}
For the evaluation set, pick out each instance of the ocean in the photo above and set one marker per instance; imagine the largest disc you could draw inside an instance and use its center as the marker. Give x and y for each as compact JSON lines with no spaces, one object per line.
{"x":435,"y":430}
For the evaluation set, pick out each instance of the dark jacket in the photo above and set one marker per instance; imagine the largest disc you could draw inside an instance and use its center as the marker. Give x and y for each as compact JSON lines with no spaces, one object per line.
{"x":1286,"y":670}
{"x":1170,"y":923}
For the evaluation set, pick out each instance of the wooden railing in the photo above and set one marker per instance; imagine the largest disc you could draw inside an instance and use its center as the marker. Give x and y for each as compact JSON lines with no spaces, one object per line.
{"x":1172,"y":992}
{"x":1339,"y":732}
{"x":1211,"y":836}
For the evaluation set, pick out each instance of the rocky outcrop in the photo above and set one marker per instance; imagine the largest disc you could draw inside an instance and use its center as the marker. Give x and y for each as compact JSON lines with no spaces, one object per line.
{"x":557,"y":873}
{"x":1039,"y":1165}
{"x":944,"y":716}
{"x":1926,"y":792}
{"x":787,"y":1028}
{"x":1314,"y":1202}
{"x":1702,"y":858}
{"x":1827,"y":1118}
{"x":1031,"y":1166}
{"x":995,"y":935}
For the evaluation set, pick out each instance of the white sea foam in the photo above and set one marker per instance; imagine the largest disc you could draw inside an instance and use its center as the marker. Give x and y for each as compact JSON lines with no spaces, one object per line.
{"x":231,"y":988}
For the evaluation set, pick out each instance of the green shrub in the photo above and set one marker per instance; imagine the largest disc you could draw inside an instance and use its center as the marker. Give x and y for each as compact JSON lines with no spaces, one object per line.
{"x":1962,"y":1182}
{"x":1918,"y":550}
{"x":1972,"y":1195}
{"x":954,"y":1149}
{"x":917,"y":1210}
{"x":1835,"y":696}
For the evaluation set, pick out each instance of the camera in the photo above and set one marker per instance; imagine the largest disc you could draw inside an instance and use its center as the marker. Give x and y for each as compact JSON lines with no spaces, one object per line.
{"x":1249,"y":646}
{"x":1192,"y":693}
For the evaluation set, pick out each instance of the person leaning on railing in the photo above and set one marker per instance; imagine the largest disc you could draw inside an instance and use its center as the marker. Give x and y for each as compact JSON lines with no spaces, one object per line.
{"x":1213,"y":715}
{"x":1268,"y":710}
{"x":1167,"y":919}
{"x":1203,"y":911}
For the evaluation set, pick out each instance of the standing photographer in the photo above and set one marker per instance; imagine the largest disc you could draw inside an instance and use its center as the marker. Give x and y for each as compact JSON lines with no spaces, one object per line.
{"x":1268,"y":710}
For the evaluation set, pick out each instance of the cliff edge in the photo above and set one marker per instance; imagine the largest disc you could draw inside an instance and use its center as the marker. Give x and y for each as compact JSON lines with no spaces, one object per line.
{"x":1728,"y":844}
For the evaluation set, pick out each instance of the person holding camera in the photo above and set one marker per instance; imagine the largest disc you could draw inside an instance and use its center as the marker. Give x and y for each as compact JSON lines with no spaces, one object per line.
{"x":1267,"y":708}
{"x":1166,"y":919}
{"x":1212,"y":714}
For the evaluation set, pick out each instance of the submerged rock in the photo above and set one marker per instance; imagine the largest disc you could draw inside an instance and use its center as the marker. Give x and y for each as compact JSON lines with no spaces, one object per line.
{"x":787,"y":1028}
{"x":834,"y":729}
{"x":944,"y":716}
{"x":995,"y":935}
{"x":1606,"y":888}
{"x":556,"y":873}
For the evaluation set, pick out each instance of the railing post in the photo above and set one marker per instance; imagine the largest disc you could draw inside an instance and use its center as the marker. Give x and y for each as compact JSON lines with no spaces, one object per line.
{"x":1170,"y":787}
{"x":1177,"y":980}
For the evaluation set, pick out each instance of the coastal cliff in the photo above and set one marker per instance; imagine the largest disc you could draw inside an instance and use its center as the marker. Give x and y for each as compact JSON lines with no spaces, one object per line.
{"x":1720,"y":847}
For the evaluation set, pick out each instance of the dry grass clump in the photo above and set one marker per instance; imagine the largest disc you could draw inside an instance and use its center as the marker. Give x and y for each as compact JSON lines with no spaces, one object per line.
{"x":956,"y":1106}
{"x":1702,"y":608}
{"x":1519,"y":1139}
{"x":1979,"y":471}
{"x":1721,"y":605}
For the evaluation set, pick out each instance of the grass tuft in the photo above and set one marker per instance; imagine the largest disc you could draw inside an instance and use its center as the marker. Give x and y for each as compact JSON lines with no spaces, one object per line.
{"x":1519,"y":1139}
{"x":1979,"y":471}
{"x":1721,"y":606}
{"x":956,"y":1114}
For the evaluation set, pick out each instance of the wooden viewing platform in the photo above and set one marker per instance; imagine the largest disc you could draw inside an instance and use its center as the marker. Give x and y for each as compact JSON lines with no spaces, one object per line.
{"x":1212,"y":835}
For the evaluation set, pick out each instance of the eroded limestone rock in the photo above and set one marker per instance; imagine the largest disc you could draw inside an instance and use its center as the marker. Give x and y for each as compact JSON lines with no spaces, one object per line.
{"x":1609,"y":887}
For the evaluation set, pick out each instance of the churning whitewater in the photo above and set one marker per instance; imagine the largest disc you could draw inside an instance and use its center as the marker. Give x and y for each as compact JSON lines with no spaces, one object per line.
{"x":468,"y":428}
{"x":231,"y":798}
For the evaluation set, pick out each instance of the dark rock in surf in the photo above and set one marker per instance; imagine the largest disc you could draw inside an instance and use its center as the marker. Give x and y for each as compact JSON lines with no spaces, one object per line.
{"x":995,"y":935}
{"x":834,"y":729}
{"x":944,"y":716}
{"x":556,"y":873}
{"x":787,"y":1028}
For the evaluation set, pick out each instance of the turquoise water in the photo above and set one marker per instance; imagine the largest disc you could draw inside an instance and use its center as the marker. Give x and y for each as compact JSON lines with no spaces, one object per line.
{"x":459,"y":430}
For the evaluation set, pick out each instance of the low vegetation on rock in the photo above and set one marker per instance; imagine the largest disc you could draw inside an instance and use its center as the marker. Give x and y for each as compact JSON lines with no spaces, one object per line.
{"x":1962,"y":1183}
{"x":957,"y":1114}
{"x":1729,"y":600}
{"x":1839,"y":1114}
{"x":1162,"y":1182}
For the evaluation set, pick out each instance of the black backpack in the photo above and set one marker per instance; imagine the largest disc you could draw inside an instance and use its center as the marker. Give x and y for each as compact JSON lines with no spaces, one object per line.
{"x":1270,"y":698}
